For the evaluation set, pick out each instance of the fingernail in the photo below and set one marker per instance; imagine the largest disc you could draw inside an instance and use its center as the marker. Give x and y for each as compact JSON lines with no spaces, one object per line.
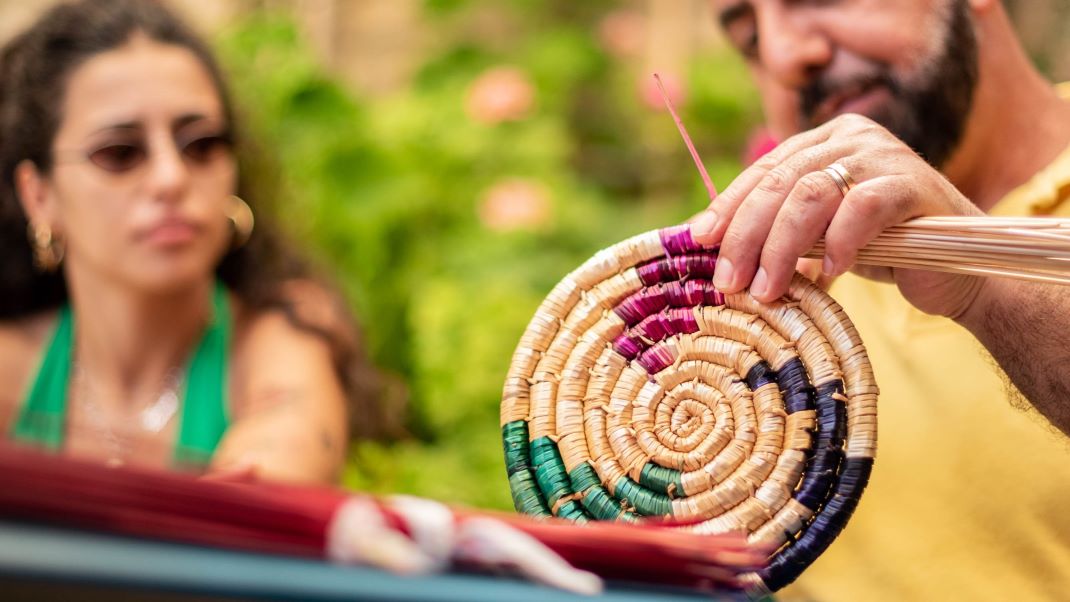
{"x":722,"y":274}
{"x":759,"y":285}
{"x":827,"y":266}
{"x":705,"y":224}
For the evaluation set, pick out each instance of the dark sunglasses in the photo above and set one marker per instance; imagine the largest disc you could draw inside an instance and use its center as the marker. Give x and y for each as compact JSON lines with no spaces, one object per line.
{"x":128,"y":156}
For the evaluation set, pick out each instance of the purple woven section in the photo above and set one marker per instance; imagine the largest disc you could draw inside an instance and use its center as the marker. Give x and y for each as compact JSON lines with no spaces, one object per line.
{"x":677,"y":240}
{"x":653,"y":329}
{"x":658,"y":270}
{"x":641,"y":304}
{"x":667,"y":269}
{"x":673,"y":285}
{"x":697,"y":265}
{"x":667,"y":323}
{"x":644,"y":303}
{"x":655,"y":359}
{"x":681,"y":321}
{"x":714,"y":296}
{"x":693,"y":293}
{"x":628,"y":346}
{"x":685,"y":294}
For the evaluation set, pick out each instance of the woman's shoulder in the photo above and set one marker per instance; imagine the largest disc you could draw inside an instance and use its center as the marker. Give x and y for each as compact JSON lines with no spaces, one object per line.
{"x":304,"y":307}
{"x":293,"y":337}
{"x":22,"y":341}
{"x":286,"y":351}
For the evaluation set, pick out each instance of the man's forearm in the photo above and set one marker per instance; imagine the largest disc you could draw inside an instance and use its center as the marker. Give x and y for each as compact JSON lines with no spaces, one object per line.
{"x":1026,"y":328}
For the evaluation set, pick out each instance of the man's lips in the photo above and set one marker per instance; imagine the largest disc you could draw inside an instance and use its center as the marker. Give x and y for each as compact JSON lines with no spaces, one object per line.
{"x":858,"y":97}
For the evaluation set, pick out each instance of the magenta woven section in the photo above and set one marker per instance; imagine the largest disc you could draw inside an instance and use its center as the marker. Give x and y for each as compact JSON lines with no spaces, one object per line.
{"x":677,"y":240}
{"x":672,"y":288}
{"x":697,"y":265}
{"x":653,"y":329}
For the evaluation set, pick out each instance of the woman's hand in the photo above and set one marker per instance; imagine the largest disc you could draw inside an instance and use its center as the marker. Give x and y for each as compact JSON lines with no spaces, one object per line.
{"x":777,"y":209}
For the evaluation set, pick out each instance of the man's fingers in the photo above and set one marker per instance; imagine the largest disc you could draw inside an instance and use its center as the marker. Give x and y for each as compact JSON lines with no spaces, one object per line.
{"x":866,"y":211}
{"x":709,"y":227}
{"x":742,"y":244}
{"x":800,"y":223}
{"x":746,"y":235}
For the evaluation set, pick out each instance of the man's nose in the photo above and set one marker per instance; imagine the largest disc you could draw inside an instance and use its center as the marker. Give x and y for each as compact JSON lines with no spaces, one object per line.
{"x":792,"y":48}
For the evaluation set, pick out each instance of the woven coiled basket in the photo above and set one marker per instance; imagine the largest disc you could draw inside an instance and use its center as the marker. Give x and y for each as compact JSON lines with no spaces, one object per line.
{"x":638,"y":389}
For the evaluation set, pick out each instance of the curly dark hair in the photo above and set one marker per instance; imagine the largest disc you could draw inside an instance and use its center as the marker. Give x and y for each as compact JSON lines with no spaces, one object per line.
{"x":34,"y":69}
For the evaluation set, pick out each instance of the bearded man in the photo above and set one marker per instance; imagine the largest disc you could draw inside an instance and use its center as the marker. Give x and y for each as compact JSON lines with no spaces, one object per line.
{"x":891,"y":110}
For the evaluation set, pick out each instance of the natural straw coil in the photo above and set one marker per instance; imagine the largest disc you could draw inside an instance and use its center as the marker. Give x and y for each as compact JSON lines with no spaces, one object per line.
{"x":640,"y":390}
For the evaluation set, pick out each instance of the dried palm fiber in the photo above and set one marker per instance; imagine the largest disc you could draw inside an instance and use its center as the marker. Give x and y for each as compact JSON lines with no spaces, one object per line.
{"x":1024,"y":248}
{"x":640,"y":390}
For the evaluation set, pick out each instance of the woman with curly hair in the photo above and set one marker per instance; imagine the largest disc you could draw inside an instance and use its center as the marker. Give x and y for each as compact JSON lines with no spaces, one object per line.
{"x":143,"y":319}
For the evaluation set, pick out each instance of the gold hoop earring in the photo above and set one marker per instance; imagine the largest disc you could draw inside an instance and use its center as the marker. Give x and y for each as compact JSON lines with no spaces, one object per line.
{"x":241,"y":218}
{"x":48,"y":250}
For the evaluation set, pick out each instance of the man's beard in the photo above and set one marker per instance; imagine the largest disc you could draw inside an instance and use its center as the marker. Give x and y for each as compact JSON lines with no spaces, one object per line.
{"x":928,"y":114}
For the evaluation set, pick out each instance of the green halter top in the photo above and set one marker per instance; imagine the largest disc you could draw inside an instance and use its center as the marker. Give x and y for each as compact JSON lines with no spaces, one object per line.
{"x":42,"y":420}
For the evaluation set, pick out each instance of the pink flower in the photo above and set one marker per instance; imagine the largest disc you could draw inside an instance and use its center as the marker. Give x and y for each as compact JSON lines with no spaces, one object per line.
{"x":651,"y":96}
{"x":515,"y":204}
{"x":622,"y":33}
{"x":500,"y":94}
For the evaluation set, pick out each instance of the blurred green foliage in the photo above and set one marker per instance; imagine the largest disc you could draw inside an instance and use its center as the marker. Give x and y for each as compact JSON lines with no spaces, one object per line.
{"x":387,"y":193}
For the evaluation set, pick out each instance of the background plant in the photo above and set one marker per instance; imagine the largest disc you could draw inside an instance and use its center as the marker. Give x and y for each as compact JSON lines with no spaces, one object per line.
{"x":448,"y":209}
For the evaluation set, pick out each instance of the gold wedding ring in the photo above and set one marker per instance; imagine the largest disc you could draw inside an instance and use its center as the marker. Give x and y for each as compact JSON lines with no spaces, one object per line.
{"x":841,"y":177}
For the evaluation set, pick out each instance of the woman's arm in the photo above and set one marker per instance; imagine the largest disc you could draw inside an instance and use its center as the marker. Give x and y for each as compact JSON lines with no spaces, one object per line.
{"x":11,"y":377}
{"x":289,"y":407}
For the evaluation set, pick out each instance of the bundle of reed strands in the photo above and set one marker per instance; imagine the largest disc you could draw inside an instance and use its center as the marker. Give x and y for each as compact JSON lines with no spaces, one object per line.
{"x":298,"y":520}
{"x":1026,"y":248}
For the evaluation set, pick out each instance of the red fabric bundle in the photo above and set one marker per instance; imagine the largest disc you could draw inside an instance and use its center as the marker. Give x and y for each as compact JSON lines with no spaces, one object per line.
{"x":297,"y":520}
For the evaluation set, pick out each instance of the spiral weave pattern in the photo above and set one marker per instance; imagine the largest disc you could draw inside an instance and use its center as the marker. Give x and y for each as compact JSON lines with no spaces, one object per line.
{"x":639,"y":389}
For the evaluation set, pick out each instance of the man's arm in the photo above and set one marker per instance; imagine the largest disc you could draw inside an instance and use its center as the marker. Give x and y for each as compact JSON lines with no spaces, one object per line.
{"x":1026,"y":328}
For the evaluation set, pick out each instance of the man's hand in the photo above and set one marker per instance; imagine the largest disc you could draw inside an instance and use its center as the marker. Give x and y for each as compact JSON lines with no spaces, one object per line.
{"x":777,"y":209}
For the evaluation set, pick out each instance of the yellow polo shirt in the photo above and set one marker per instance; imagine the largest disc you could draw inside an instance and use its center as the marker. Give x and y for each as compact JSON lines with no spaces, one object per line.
{"x":970,"y":496}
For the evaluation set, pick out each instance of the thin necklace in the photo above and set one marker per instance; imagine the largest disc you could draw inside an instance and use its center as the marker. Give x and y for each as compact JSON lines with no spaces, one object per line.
{"x":152,"y":419}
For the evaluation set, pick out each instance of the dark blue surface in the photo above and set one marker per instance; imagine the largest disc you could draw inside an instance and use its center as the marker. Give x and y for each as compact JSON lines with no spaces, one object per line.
{"x":32,"y":552}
